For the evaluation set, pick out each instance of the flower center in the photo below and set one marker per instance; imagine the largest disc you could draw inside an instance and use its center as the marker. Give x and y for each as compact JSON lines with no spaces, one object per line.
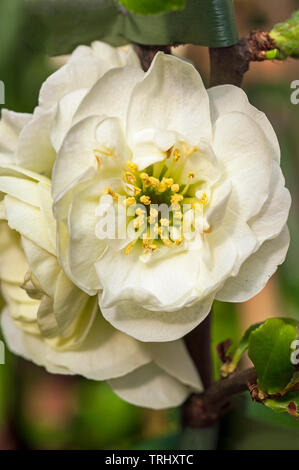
{"x":157,"y":198}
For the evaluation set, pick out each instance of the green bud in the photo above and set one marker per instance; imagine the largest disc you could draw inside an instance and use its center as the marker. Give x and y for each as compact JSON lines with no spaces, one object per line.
{"x":286,"y":37}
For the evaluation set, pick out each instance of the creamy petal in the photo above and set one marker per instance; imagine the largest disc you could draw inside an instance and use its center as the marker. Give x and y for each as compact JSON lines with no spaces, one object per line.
{"x":274,"y":214}
{"x":242,"y":149}
{"x":169,"y":88}
{"x":228,"y":98}
{"x":34,"y":149}
{"x":150,"y":387}
{"x":257,"y":270}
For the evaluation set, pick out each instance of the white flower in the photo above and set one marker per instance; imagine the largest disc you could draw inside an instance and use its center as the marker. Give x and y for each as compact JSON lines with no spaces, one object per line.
{"x":214,"y":150}
{"x":118,"y":136}
{"x":53,"y":323}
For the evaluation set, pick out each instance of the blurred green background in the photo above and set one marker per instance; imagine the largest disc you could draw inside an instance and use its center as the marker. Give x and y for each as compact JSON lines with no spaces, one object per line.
{"x":43,"y":411}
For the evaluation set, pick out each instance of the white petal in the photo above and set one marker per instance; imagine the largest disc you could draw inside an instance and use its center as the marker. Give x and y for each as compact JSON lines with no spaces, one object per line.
{"x":274,"y":214}
{"x":150,"y":387}
{"x":84,"y":248}
{"x":155,"y":285}
{"x":18,"y":215}
{"x":105,"y":354}
{"x":257,"y":270}
{"x":145,"y":325}
{"x":76,"y":155}
{"x":170,"y":97}
{"x":62,"y":122}
{"x":174,"y":359}
{"x":111,"y":94}
{"x":228,"y":98}
{"x":13,"y":264}
{"x":11,"y":125}
{"x":244,"y":152}
{"x":80,"y":72}
{"x":34,"y":149}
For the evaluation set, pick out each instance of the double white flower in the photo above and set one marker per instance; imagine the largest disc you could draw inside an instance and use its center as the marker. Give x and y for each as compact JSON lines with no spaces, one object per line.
{"x":143,"y":138}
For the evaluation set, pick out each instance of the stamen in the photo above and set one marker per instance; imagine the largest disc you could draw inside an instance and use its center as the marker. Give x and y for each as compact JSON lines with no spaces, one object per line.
{"x":132,"y":166}
{"x":204,"y":199}
{"x":175,"y":188}
{"x":111,"y":193}
{"x":176,"y":198}
{"x":130,"y":201}
{"x":176,"y":155}
{"x":145,"y":200}
{"x":130,"y":178}
{"x":128,"y":248}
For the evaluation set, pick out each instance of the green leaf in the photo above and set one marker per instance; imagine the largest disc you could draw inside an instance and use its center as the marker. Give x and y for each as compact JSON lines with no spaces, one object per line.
{"x":286,"y":37}
{"x":228,"y":368}
{"x":149,"y":7}
{"x":289,"y":403}
{"x":73,"y":22}
{"x":270,"y":350}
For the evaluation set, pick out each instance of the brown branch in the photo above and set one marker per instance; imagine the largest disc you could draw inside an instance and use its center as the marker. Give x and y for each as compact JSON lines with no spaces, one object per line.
{"x":147,"y":53}
{"x":198,"y":343}
{"x":229,"y":64}
{"x":203,"y":410}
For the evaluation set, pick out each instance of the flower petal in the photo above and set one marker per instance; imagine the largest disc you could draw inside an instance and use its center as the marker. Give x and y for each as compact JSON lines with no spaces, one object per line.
{"x":105,"y":353}
{"x":228,"y":98}
{"x":34,"y":149}
{"x":274,"y":214}
{"x":242,"y":149}
{"x":174,"y":359}
{"x":111,"y":94}
{"x":150,"y":387}
{"x":257,"y":270}
{"x":170,"y":97}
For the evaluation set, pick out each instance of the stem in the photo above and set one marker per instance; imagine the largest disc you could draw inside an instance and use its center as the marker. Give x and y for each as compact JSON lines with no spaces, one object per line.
{"x":204,"y":410}
{"x":198,"y":343}
{"x":229,"y":64}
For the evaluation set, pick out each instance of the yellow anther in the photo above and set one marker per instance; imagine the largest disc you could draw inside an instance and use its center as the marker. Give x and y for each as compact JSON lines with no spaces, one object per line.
{"x":136,"y":190}
{"x":179,"y":240}
{"x":156,"y":229}
{"x":178,"y":215}
{"x":164,"y":222}
{"x":130,"y":178}
{"x":147,"y":245}
{"x":128,"y":248}
{"x":190,"y":175}
{"x":145,"y":179}
{"x":153,"y":215}
{"x":111,"y":193}
{"x":176,"y":155}
{"x":204,"y":199}
{"x":153,"y":212}
{"x":130,"y":201}
{"x":132,"y":166}
{"x":175,"y":188}
{"x":167,"y":181}
{"x":176,"y":198}
{"x":154,"y":182}
{"x":140,"y":211}
{"x":167,"y":242}
{"x":145,"y":200}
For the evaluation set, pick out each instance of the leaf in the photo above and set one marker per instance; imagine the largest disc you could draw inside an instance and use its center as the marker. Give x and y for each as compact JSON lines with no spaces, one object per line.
{"x":228,"y":368}
{"x":73,"y":22}
{"x":270,"y":351}
{"x":148,"y":7}
{"x":289,"y":403}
